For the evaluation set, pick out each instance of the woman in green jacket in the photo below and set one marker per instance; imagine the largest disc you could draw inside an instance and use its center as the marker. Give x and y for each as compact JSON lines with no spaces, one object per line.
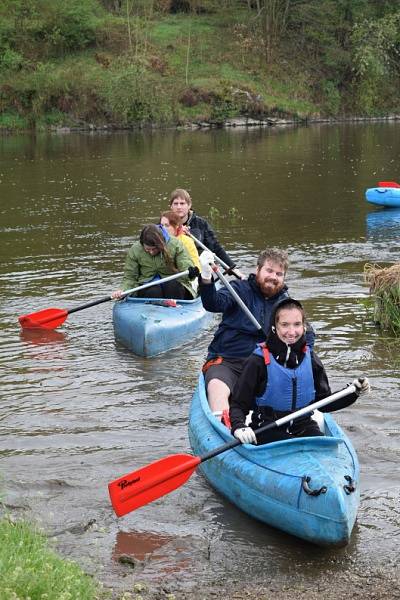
{"x":157,"y":255}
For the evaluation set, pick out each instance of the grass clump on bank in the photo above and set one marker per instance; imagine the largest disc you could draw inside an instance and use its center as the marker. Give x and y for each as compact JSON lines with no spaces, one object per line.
{"x":384,"y":285}
{"x":30,"y":569}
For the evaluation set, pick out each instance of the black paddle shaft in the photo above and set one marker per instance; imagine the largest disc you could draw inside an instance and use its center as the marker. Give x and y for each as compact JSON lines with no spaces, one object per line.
{"x":89,"y":304}
{"x":228,"y":270}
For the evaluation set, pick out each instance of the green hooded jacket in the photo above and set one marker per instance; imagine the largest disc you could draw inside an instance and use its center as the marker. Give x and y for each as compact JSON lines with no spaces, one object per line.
{"x":141,"y":267}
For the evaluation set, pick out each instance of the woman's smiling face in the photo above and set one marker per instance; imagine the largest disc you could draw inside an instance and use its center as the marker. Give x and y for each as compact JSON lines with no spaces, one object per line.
{"x":289,"y":325}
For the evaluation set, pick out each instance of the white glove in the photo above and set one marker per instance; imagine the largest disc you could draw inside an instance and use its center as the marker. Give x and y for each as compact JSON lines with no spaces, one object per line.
{"x":362,"y":385}
{"x":245,"y":435}
{"x":206,"y":258}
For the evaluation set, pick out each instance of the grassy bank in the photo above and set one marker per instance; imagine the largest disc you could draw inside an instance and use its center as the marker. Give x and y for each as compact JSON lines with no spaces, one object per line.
{"x":30,"y":569}
{"x":167,"y":62}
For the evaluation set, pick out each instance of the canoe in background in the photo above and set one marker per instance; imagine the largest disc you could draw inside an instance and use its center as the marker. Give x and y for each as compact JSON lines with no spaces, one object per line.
{"x":307,"y":487}
{"x":384,"y":196}
{"x":147,"y":327}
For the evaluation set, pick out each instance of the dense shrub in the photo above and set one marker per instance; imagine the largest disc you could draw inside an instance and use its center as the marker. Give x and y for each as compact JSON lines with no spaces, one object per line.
{"x":132,"y":96}
{"x":42,"y":28}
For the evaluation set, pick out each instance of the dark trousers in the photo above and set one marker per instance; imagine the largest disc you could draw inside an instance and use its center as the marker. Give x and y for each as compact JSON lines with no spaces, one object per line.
{"x":301,"y":428}
{"x":170,"y":289}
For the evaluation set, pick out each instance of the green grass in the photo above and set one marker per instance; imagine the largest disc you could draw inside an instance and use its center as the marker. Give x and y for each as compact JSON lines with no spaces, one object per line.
{"x":173,"y":30}
{"x":387,"y":309}
{"x":13,"y":121}
{"x":29,"y":569}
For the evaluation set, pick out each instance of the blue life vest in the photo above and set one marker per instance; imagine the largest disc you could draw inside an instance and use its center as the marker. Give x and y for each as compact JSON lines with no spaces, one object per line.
{"x":287,"y":389}
{"x":165,"y":233}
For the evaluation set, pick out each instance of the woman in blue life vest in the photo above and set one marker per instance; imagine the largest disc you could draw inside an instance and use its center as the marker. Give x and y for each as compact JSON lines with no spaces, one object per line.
{"x":282,"y":376}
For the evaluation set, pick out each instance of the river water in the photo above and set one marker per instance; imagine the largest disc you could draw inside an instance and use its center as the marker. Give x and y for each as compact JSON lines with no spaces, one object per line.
{"x":77,"y":410}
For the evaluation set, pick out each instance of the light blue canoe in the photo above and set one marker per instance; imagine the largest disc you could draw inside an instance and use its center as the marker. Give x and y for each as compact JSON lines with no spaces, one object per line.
{"x":307,"y":487}
{"x":147,"y":328}
{"x":384,"y":196}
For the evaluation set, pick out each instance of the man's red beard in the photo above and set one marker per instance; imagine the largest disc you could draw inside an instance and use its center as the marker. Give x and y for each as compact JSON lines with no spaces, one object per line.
{"x":269,"y":287}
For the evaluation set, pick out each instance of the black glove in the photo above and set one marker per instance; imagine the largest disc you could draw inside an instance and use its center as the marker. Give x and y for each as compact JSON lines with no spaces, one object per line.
{"x":193,"y":272}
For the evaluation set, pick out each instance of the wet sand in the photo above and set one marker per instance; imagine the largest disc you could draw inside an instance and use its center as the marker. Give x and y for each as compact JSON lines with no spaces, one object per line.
{"x":368,"y":584}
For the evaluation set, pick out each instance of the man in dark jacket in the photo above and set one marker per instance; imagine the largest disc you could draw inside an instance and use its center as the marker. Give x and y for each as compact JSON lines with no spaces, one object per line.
{"x":181,"y":203}
{"x":236,"y":336}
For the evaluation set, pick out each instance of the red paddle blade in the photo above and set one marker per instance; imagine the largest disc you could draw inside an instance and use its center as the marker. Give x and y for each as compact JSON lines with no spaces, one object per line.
{"x":389,"y":184}
{"x":49,"y":318}
{"x":151,"y":482}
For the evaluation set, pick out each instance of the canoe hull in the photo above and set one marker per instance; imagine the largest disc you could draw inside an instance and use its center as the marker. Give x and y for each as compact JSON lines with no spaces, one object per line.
{"x":148,"y":329}
{"x":383,"y":196}
{"x":275,"y":494}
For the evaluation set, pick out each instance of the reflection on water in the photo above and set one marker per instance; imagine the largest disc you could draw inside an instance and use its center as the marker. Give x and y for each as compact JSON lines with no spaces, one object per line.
{"x":77,"y":410}
{"x":160,"y":555}
{"x":384,"y":225}
{"x":137,"y":544}
{"x":38,"y":337}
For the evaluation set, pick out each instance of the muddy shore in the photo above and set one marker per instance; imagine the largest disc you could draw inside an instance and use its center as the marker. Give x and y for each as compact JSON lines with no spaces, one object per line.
{"x":371,"y":584}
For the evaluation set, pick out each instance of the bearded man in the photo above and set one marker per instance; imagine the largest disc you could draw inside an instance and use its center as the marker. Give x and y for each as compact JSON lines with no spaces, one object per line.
{"x":237,"y":336}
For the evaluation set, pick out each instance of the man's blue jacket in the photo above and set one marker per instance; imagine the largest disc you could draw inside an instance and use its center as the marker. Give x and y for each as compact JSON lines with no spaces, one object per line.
{"x":237,"y":336}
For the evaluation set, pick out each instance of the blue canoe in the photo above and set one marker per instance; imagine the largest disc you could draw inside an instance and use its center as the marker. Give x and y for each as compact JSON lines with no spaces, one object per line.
{"x":147,"y":327}
{"x":307,"y":487}
{"x":384,"y":196}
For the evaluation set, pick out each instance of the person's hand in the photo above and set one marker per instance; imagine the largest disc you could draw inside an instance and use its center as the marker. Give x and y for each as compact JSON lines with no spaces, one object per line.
{"x":117,"y":295}
{"x":245,"y":435}
{"x":193,"y":272}
{"x":206,"y":258}
{"x":234,"y":271}
{"x":240,"y":274}
{"x":362,"y":385}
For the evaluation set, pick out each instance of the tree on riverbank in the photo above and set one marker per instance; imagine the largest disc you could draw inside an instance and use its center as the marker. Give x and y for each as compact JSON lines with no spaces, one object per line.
{"x":125,"y":62}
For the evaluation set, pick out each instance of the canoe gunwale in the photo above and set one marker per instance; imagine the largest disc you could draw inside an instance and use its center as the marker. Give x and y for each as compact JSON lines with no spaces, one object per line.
{"x":153,"y":301}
